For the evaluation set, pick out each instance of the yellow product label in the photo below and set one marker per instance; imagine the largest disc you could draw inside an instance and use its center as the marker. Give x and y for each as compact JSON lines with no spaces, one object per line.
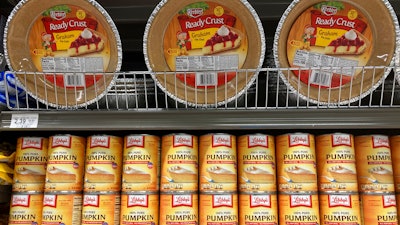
{"x":260,"y":209}
{"x":26,"y":209}
{"x":103,"y":163}
{"x":324,"y":36}
{"x":340,"y":209}
{"x":62,"y":209}
{"x":374,"y":163}
{"x":395,"y":153}
{"x":179,"y":163}
{"x":299,"y":209}
{"x":141,"y":162}
{"x":178,"y":209}
{"x":379,"y":209}
{"x":256,"y":163}
{"x":336,"y":162}
{"x":218,"y":163}
{"x":101,"y":209}
{"x":139,"y":209}
{"x":219,"y":209}
{"x":65,"y":163}
{"x":295,"y":157}
{"x":30,"y":164}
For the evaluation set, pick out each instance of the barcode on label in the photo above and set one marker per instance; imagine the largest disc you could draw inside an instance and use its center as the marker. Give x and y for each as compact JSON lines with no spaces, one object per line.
{"x":321,"y":78}
{"x":206,"y":79}
{"x":74,"y":80}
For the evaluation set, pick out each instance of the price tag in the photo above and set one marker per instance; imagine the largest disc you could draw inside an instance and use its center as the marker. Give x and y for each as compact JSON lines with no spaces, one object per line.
{"x":24,"y":120}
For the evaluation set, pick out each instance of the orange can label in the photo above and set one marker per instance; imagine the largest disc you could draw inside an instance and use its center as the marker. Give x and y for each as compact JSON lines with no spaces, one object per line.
{"x":379,"y":209}
{"x":30,"y":164}
{"x":256,"y":163}
{"x":395,"y":153}
{"x":179,"y":163}
{"x":341,"y":209}
{"x":260,"y":209}
{"x":62,"y":209}
{"x":298,"y":209}
{"x":219,"y":209}
{"x":179,"y":209}
{"x":26,"y":209}
{"x":65,"y":163}
{"x":139,"y":209}
{"x":101,"y":209}
{"x":297,"y":167}
{"x":336,"y":163}
{"x":374,"y":163}
{"x":103,"y":163}
{"x":218,"y":163}
{"x":141,"y":161}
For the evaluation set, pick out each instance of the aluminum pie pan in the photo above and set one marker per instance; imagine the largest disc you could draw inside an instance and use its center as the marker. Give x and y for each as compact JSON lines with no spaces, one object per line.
{"x":294,"y":83}
{"x":165,"y":71}
{"x":28,"y":71}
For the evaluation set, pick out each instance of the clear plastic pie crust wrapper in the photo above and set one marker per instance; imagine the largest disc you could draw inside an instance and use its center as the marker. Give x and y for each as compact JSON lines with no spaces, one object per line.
{"x":64,"y":53}
{"x":204,"y":53}
{"x":336,"y":52}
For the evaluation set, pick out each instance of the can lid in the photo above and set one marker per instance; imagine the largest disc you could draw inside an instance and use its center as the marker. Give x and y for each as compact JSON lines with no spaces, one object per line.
{"x":101,"y":192}
{"x":139,"y":193}
{"x":179,"y":192}
{"x":63,"y":192}
{"x":298,"y":193}
{"x":257,"y":193}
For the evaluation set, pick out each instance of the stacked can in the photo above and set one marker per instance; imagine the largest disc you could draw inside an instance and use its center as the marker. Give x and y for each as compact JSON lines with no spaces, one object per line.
{"x":218,"y":179}
{"x":375,"y":179}
{"x":257,"y":180}
{"x":28,"y":181}
{"x":102,"y":180}
{"x":179,"y":179}
{"x":337,"y":179}
{"x":62,"y":202}
{"x":140,"y":180}
{"x":297,"y":179}
{"x":395,"y":152}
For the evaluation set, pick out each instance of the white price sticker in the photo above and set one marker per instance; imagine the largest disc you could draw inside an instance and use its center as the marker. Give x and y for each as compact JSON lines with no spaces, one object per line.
{"x":24,"y":120}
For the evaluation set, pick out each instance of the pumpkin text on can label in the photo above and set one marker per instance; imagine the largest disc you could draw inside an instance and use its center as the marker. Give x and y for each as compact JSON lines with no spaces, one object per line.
{"x":340,"y":208}
{"x":139,"y":209}
{"x":219,"y":209}
{"x":261,"y":209}
{"x":101,"y":209}
{"x":62,"y":209}
{"x":301,"y":209}
{"x":26,"y":209}
{"x":379,"y":209}
{"x":179,"y":209}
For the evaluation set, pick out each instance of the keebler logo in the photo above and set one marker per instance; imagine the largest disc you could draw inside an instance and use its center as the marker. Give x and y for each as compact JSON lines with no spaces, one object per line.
{"x":32,"y":143}
{"x":258,"y":141}
{"x":135,"y":141}
{"x":195,"y":12}
{"x":301,"y":200}
{"x":389,"y":201}
{"x":222,"y":200}
{"x":221,"y":140}
{"x":182,"y":200}
{"x":91,"y":200}
{"x":329,"y":10}
{"x":183,"y":140}
{"x":340,"y":200}
{"x":138,"y":200}
{"x":260,"y":201}
{"x":299,"y":140}
{"x":50,"y":200}
{"x":380,"y":141}
{"x":340,"y":140}
{"x":20,"y":200}
{"x":61,"y":141}
{"x":58,"y":15}
{"x":100,"y":142}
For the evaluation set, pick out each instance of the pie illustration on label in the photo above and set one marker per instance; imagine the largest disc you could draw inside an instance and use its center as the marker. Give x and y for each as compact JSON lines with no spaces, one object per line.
{"x":301,"y":175}
{"x":96,"y":175}
{"x":87,"y":42}
{"x":257,"y":175}
{"x":351,"y":43}
{"x":221,"y":175}
{"x":132,"y":175}
{"x":343,"y":174}
{"x":28,"y":175}
{"x":182,"y":175}
{"x":57,"y":175}
{"x":224,"y":39}
{"x":381,"y":174}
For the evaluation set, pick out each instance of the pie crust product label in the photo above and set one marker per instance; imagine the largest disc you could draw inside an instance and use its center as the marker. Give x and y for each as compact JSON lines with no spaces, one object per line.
{"x":26,"y":209}
{"x":330,"y":34}
{"x":395,"y":153}
{"x":180,"y":208}
{"x":139,"y":209}
{"x":101,"y":208}
{"x":336,"y":162}
{"x":218,"y":163}
{"x":68,"y":39}
{"x":256,"y":163}
{"x":179,"y":163}
{"x":65,"y":163}
{"x":103,"y":163}
{"x":219,"y":209}
{"x":30,"y":164}
{"x":141,"y":162}
{"x":379,"y":209}
{"x":340,"y":209}
{"x":261,"y":209}
{"x":62,"y":209}
{"x":295,"y":157}
{"x":374,"y":163}
{"x":300,"y":209}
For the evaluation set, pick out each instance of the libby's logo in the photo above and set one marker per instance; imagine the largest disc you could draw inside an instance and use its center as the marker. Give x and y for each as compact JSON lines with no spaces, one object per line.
{"x":138,"y":200}
{"x":91,"y":200}
{"x":258,"y":141}
{"x":50,"y":200}
{"x":58,"y":15}
{"x":340,"y":140}
{"x":260,"y":201}
{"x":98,"y":141}
{"x":183,"y":140}
{"x":329,"y":10}
{"x":35,"y":143}
{"x":195,"y":12}
{"x":389,"y":201}
{"x":221,"y":140}
{"x":20,"y":200}
{"x":299,"y":140}
{"x":135,"y":141}
{"x":182,"y":200}
{"x":61,"y":141}
{"x":300,"y":200}
{"x":222,"y":200}
{"x":340,"y":200}
{"x":380,"y":141}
